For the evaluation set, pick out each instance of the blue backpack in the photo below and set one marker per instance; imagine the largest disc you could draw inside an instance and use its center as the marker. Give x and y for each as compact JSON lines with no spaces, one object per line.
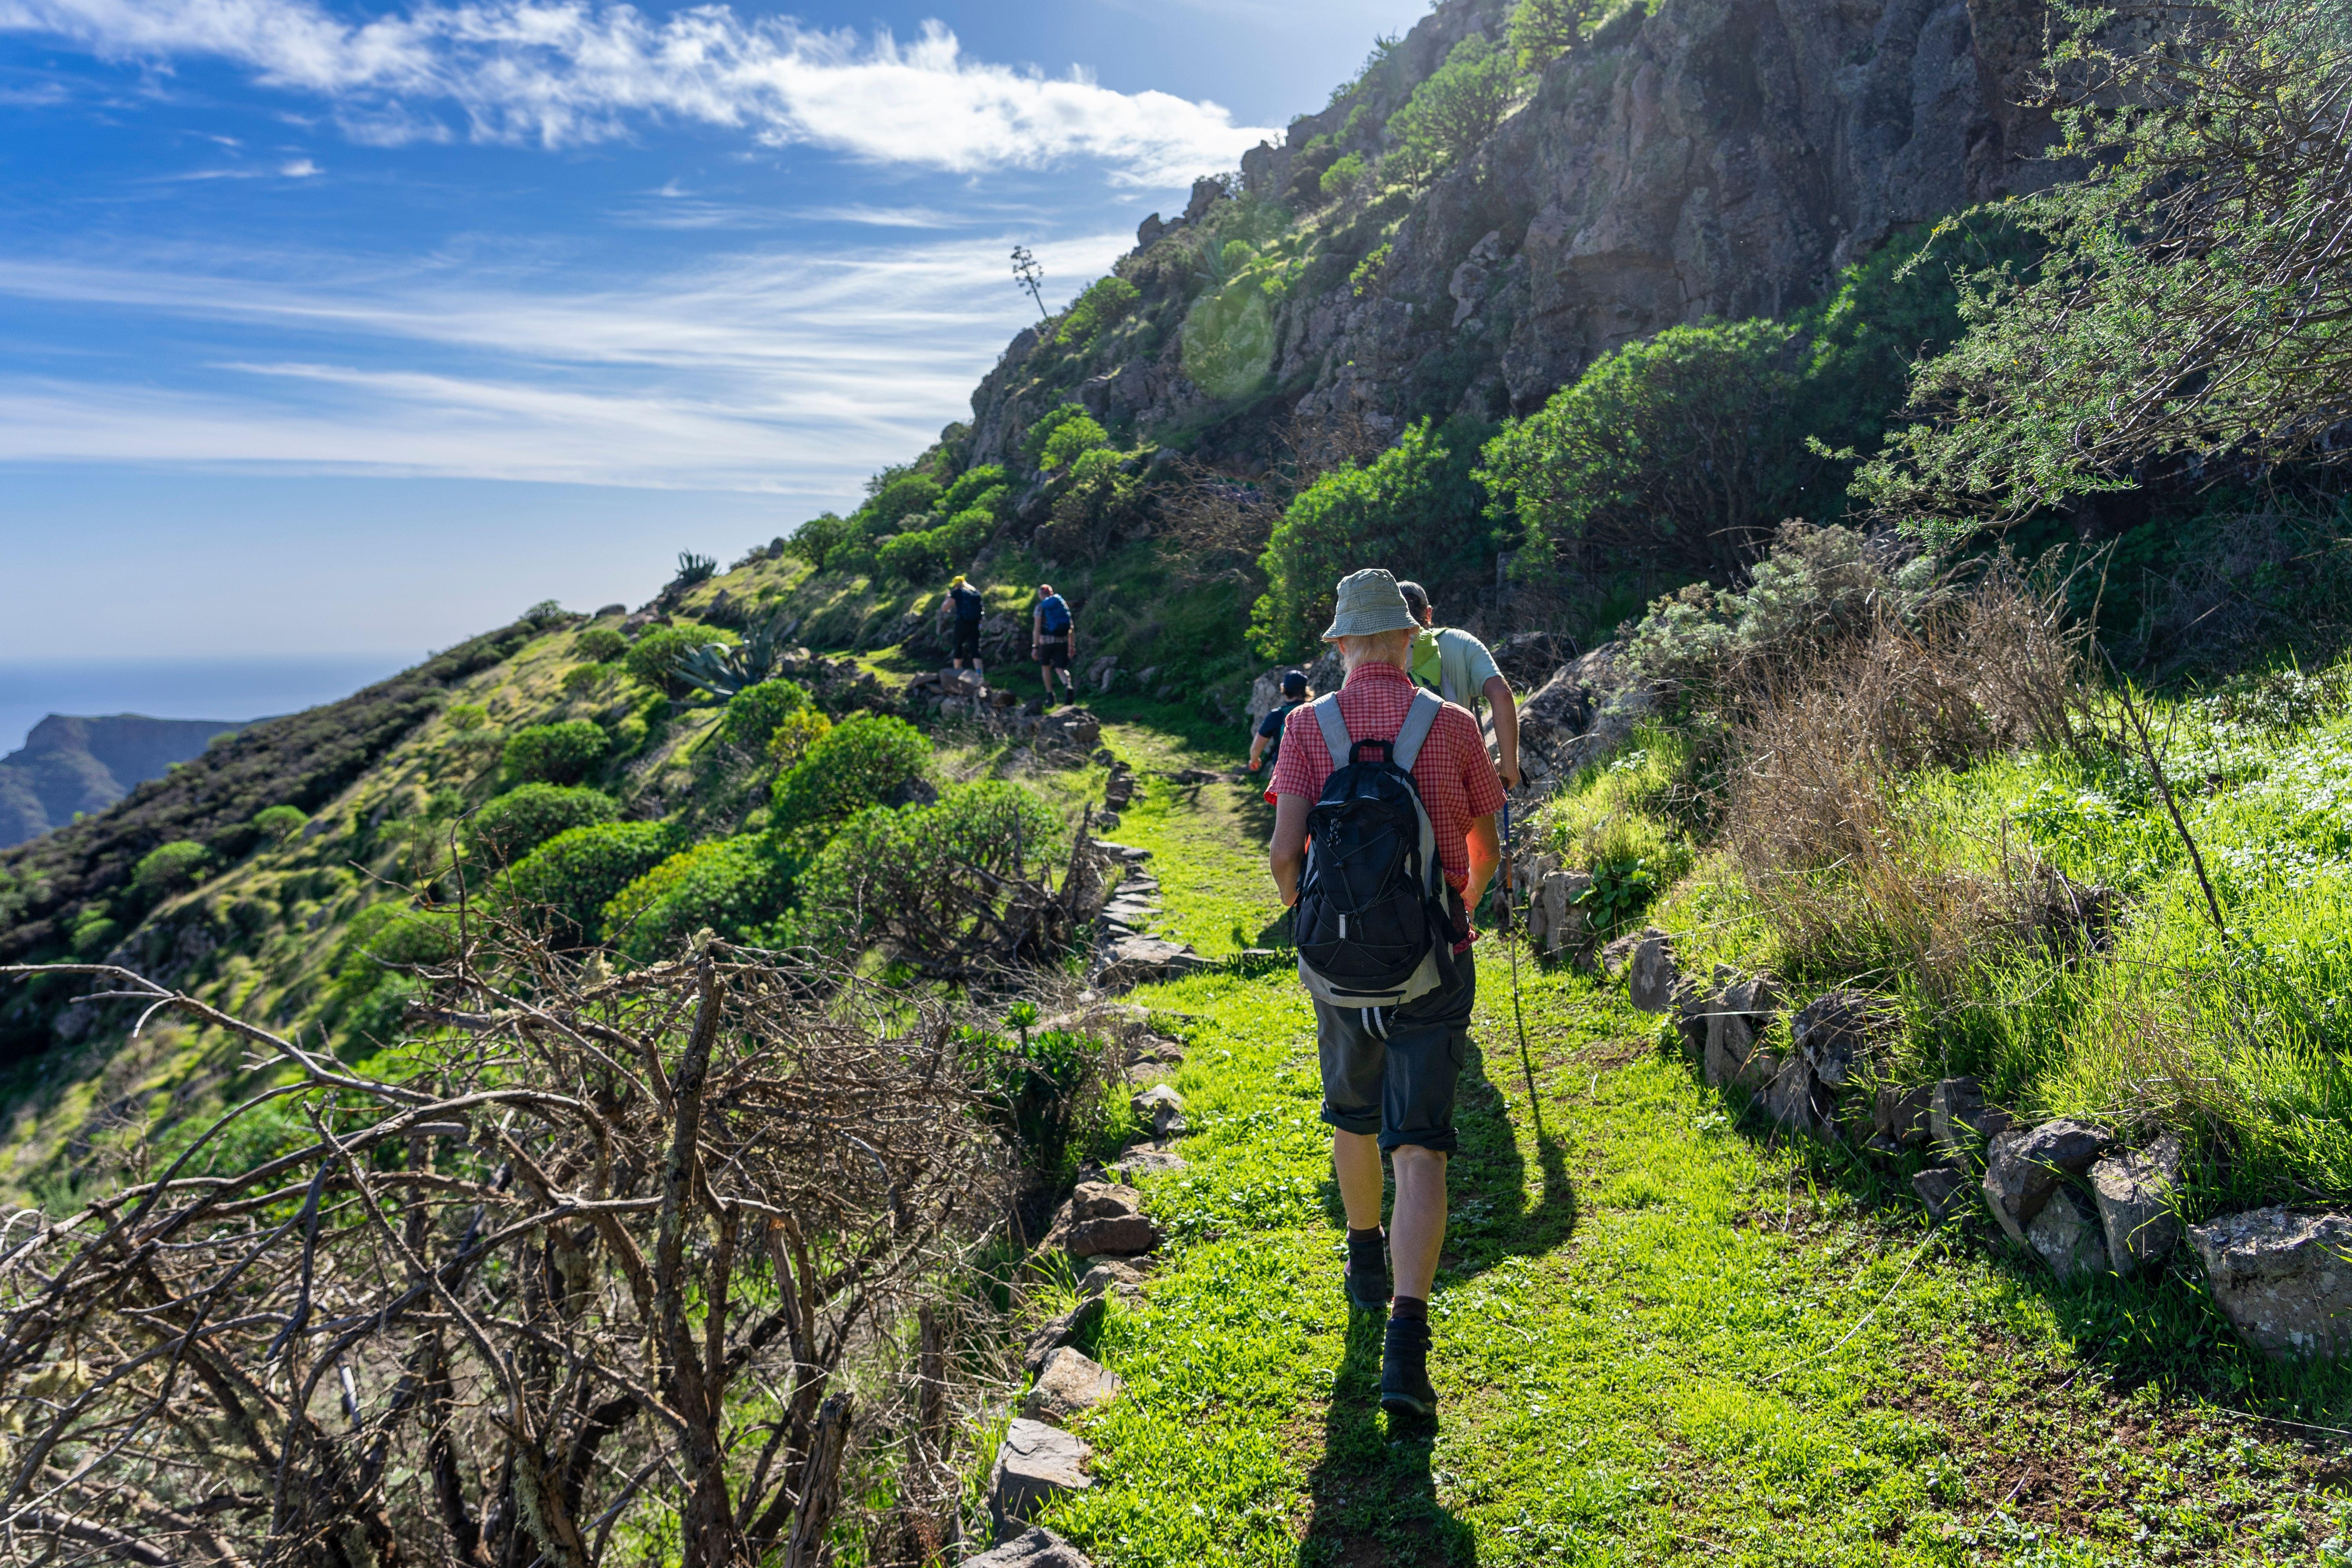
{"x":1056,"y":614}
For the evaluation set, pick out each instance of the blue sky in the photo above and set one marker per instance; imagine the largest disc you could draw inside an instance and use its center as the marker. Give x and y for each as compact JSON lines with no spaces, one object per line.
{"x":339,"y":331}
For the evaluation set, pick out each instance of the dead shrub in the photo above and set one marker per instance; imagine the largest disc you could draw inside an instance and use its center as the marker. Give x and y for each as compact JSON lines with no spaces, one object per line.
{"x":1817,"y":814}
{"x":602,"y":1260}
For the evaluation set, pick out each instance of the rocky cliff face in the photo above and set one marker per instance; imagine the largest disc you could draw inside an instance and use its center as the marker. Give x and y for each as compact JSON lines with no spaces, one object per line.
{"x":70,"y":765}
{"x":1719,"y":158}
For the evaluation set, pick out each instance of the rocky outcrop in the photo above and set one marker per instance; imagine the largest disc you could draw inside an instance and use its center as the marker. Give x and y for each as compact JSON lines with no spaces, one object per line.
{"x":1101,"y":1217}
{"x":2025,"y":1166}
{"x":1036,"y":1547}
{"x":1702,"y":158}
{"x":1035,"y":1464}
{"x":2134,"y":1192}
{"x":1070,"y":1383}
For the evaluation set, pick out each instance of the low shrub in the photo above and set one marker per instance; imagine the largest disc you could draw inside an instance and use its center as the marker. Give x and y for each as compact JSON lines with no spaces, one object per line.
{"x":654,"y":658}
{"x":1342,"y":178}
{"x":1072,"y":439}
{"x":856,"y":764}
{"x":573,"y":874}
{"x":171,"y":868}
{"x":1104,"y":303}
{"x":815,"y":540}
{"x":795,"y":734}
{"x":94,"y":936}
{"x":754,"y":713}
{"x":520,"y":820}
{"x":277,"y":824}
{"x":984,"y":486}
{"x":1040,"y":432}
{"x":465,"y":716}
{"x":583,"y":679}
{"x":1039,"y":1091}
{"x":736,"y":887}
{"x":381,"y":937}
{"x":600,"y":645}
{"x":562,"y":753}
{"x":930,"y":884}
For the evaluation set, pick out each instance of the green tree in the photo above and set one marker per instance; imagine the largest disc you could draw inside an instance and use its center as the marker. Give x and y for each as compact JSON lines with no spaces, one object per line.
{"x":1542,"y":30}
{"x":754,"y":713}
{"x":858,"y":764}
{"x":599,"y":645}
{"x":816,"y":539}
{"x":277,"y":824}
{"x":1072,"y":439}
{"x":653,"y":656}
{"x":1456,"y":108}
{"x":1343,"y":177}
{"x":562,"y":753}
{"x":1415,"y":510}
{"x":2194,"y":300}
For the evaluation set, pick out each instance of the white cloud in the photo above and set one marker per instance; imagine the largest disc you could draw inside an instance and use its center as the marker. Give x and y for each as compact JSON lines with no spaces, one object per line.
{"x":299,"y":169}
{"x":766,"y":371}
{"x":563,"y":71}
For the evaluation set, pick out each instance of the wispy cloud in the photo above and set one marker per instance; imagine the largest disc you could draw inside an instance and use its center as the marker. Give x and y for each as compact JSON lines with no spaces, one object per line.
{"x":769,"y":370}
{"x":563,"y":72}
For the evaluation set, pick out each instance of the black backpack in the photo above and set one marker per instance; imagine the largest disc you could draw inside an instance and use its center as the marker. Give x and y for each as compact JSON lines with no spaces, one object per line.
{"x":1371,"y":922}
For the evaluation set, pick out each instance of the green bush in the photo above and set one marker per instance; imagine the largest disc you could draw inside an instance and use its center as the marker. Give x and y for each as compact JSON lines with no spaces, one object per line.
{"x":856,"y":764}
{"x":382,"y":936}
{"x":754,"y":713}
{"x":465,"y":716}
{"x":1072,"y":439}
{"x":1414,"y":509}
{"x":520,"y":820}
{"x":654,"y":658}
{"x":599,"y":645}
{"x":900,"y":499}
{"x":562,"y":753}
{"x":912,"y":557}
{"x":576,"y":873}
{"x":1544,"y":29}
{"x":736,"y":887}
{"x":1034,"y":439}
{"x":815,"y":540}
{"x":926,"y":882}
{"x":983,"y":486}
{"x":277,"y":824}
{"x":1228,"y":340}
{"x":1038,"y":1089}
{"x":172,"y":866}
{"x":582,"y":679}
{"x":1456,"y":108}
{"x":1343,"y":176}
{"x":1105,"y":304}
{"x":94,"y":936}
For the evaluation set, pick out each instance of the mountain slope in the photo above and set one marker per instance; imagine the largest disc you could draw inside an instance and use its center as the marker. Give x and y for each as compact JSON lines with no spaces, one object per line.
{"x":70,"y":766}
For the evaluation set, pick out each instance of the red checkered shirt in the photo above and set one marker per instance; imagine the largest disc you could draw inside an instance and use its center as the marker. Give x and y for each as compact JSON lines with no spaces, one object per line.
{"x":1456,"y":778}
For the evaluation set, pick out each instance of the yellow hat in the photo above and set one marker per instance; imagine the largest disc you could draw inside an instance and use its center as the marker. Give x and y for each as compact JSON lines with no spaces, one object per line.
{"x":956,"y":581}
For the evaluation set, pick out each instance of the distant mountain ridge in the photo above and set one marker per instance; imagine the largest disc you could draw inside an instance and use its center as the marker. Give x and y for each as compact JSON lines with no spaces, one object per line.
{"x":72,"y":765}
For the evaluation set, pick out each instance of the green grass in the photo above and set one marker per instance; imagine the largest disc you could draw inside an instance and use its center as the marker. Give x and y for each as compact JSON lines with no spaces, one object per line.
{"x":1659,"y":1338}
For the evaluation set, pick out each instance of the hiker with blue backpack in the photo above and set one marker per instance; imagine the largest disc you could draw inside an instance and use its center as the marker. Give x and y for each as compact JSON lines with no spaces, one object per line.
{"x":1383,"y":841}
{"x":1053,"y":639}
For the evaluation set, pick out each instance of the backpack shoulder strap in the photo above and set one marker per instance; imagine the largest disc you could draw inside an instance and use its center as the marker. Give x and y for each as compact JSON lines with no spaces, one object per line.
{"x":1326,"y":710}
{"x":1426,"y":706}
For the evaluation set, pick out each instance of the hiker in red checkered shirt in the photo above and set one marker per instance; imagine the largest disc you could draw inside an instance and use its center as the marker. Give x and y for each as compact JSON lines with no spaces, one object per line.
{"x":1389,"y":1073}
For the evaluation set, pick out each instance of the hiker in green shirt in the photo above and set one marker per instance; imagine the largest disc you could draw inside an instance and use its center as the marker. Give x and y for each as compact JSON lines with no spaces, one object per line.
{"x":1457,"y":666}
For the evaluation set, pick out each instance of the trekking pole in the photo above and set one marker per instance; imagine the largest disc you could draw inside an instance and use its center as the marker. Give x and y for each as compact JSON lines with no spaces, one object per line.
{"x":1511,"y":945}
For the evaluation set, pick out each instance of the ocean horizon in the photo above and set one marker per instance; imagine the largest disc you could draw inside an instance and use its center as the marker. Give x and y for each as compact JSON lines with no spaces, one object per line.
{"x":233,"y":689}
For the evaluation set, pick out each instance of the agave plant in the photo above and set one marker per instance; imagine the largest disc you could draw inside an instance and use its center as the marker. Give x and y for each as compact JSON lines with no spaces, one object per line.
{"x":722,"y":669}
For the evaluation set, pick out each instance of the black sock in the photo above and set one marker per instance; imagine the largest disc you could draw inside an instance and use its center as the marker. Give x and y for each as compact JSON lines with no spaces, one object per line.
{"x":1408,"y":1307}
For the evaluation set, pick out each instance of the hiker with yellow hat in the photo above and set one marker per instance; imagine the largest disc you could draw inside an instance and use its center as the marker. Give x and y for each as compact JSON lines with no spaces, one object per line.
{"x":968,"y":603}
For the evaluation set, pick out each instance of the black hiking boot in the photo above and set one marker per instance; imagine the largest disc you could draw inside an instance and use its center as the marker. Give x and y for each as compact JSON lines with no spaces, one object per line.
{"x":1365,"y":1280}
{"x":1404,"y":1369}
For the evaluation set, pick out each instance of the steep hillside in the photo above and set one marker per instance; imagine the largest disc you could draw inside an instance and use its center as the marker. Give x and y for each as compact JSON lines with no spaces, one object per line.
{"x":70,"y":766}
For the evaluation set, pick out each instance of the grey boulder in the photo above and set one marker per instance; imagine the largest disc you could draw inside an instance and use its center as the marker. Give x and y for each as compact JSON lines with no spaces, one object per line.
{"x":1650,"y":978}
{"x":2025,"y":1165}
{"x":1958,"y":1118}
{"x":1080,"y":1322}
{"x":2134,"y":1196}
{"x":1070,"y":1383}
{"x":1943,"y":1188}
{"x":1035,"y":1464}
{"x":1164,"y":1108}
{"x":1103,"y":1217}
{"x":1036,"y":1547}
{"x":2283,"y":1279}
{"x":2066,"y":1235}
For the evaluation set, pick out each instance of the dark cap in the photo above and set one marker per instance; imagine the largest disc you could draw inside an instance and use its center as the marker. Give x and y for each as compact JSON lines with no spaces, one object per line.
{"x":1294,"y":681}
{"x":1416,"y":598}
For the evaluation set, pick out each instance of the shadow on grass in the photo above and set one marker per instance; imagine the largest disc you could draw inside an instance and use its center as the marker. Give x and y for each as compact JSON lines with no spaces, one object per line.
{"x":2163,"y":1330}
{"x":1375,"y":1499}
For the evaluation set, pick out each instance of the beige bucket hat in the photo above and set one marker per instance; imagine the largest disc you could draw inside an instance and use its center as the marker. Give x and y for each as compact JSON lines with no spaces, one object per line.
{"x":1370,"y":603}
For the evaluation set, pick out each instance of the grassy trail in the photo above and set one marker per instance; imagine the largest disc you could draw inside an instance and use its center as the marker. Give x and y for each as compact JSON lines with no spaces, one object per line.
{"x":1660,"y":1337}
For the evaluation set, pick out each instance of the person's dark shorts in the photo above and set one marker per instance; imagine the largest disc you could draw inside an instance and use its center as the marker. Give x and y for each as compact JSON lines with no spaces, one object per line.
{"x":1053,"y":653}
{"x":966,"y":641}
{"x":1393,"y":1072}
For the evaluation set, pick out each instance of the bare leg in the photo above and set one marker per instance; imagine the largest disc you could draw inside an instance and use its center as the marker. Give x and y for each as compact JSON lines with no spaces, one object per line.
{"x":1417,"y":1228}
{"x":1356,"y":1161}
